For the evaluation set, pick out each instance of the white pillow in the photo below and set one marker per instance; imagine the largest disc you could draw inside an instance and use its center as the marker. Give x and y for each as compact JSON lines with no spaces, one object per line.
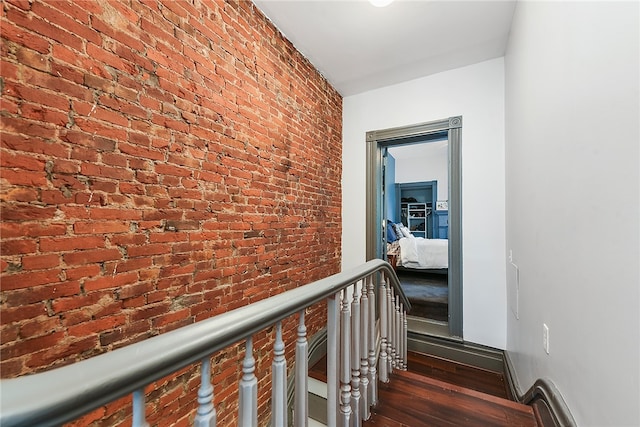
{"x":405,"y":231}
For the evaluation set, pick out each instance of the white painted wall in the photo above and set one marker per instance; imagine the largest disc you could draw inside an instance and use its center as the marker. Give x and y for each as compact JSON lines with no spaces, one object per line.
{"x":424,"y":162}
{"x":477,"y":94}
{"x":572,"y":203}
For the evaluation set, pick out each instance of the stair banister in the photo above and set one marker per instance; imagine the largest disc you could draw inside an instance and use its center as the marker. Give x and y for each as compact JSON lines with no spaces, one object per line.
{"x":54,"y":397}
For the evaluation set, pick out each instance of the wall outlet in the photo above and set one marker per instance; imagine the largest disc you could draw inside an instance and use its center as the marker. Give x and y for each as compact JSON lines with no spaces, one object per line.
{"x":545,"y":337}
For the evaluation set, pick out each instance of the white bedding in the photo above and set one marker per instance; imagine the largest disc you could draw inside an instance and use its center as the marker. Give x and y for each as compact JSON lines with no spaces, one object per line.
{"x":421,"y":253}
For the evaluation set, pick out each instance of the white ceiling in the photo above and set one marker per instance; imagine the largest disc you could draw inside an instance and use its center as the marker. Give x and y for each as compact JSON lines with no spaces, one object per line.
{"x":359,"y":47}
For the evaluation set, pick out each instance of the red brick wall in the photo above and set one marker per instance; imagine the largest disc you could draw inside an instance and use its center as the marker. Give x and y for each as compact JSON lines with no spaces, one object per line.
{"x":162,"y":162}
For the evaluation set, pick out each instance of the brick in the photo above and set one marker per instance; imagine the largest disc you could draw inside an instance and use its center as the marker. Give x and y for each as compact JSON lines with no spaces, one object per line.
{"x":40,"y":326}
{"x":40,"y":262}
{"x":30,"y":128}
{"x":146,"y":174}
{"x":58,"y":244}
{"x":68,"y":73}
{"x":115,"y":281}
{"x":164,"y":169}
{"x":95,"y":227}
{"x":43,"y":27}
{"x":32,"y":59}
{"x":22,"y":312}
{"x":27,"y":346}
{"x":146,"y":250}
{"x":25,"y":38}
{"x":44,"y":114}
{"x":56,"y":84}
{"x":32,"y":145}
{"x":134,"y":290}
{"x":16,"y":247}
{"x":88,"y":257}
{"x":16,"y":177}
{"x":88,"y":140}
{"x":97,"y":326}
{"x":65,"y":21}
{"x":69,"y":348}
{"x":125,"y":333}
{"x":30,"y":279}
{"x":27,"y":213}
{"x":79,"y":273}
{"x":108,"y":58}
{"x":9,"y":230}
{"x":138,"y":151}
{"x":35,"y":294}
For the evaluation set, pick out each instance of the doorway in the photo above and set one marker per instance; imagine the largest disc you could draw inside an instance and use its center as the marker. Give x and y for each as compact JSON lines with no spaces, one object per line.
{"x":379,"y":142}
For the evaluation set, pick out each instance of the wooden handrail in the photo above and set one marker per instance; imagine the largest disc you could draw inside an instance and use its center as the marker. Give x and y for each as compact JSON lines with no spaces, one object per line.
{"x":63,"y":394}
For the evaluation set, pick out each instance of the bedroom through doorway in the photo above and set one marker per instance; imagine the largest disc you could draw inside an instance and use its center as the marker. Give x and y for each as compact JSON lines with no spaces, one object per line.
{"x":414,"y":218}
{"x":415,"y":193}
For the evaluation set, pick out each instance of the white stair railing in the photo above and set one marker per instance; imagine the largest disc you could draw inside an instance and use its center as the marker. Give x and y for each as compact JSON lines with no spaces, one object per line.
{"x":64,"y":394}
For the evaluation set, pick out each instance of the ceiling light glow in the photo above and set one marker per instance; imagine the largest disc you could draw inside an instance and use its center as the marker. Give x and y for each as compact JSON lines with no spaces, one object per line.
{"x":380,"y":3}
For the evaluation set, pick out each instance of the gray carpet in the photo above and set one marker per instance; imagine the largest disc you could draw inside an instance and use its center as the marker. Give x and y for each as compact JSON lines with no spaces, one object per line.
{"x":428,"y":294}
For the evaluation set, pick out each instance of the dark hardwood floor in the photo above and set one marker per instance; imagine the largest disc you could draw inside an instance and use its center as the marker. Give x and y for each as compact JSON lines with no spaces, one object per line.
{"x":478,"y":379}
{"x":436,"y":392}
{"x":413,"y":400}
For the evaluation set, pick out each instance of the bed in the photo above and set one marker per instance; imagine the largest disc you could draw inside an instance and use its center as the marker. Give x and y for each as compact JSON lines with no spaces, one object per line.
{"x":417,"y":253}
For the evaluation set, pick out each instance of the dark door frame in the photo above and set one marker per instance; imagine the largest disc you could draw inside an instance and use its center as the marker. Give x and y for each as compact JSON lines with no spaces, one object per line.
{"x":451,"y":129}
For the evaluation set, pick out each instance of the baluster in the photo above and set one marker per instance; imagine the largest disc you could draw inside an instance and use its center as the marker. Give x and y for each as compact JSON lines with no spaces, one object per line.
{"x":333,"y":325}
{"x":373,"y":377}
{"x":355,"y":356}
{"x":390,"y":343}
{"x":279,"y":382}
{"x":138,"y":417}
{"x":404,"y":338}
{"x":345,"y":371}
{"x":206,"y":413}
{"x":248,"y":389}
{"x":398,"y":336}
{"x":384,"y":327}
{"x":301,"y":398}
{"x":405,"y":329}
{"x":364,"y":352}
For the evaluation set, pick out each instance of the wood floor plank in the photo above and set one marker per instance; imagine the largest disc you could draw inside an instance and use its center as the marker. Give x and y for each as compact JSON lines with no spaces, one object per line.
{"x":458,"y":373}
{"x":436,"y":392}
{"x":409,"y":399}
